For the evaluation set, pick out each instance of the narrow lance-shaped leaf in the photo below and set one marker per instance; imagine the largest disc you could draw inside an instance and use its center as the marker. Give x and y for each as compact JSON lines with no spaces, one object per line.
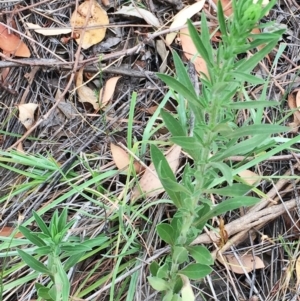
{"x":33,"y":263}
{"x":180,"y":88}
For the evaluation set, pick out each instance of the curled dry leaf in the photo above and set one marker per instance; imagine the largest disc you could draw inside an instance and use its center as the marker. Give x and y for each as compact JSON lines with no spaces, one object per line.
{"x":107,"y":92}
{"x":190,"y":51}
{"x":26,"y":114}
{"x":97,"y":16}
{"x":132,"y":10}
{"x":149,"y":182}
{"x":249,"y":263}
{"x":181,"y":18}
{"x":85,"y":94}
{"x":122,"y":159}
{"x":50,"y":31}
{"x":12,"y":44}
{"x":249,"y":177}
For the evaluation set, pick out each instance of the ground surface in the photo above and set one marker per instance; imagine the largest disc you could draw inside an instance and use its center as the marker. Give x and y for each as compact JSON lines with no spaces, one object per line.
{"x":70,"y":163}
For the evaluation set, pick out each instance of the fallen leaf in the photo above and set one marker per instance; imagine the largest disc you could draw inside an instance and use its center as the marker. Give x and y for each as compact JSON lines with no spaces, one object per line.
{"x":149,"y":182}
{"x":26,"y":114}
{"x":138,"y":12}
{"x":190,"y":51}
{"x":181,"y":18}
{"x":187,"y":293}
{"x":249,"y":263}
{"x":85,"y":94}
{"x":122,"y":159}
{"x":107,"y":92}
{"x":97,"y":17}
{"x":49,"y":31}
{"x":12,"y":44}
{"x":227,"y":7}
{"x":7,"y":231}
{"x":249,"y":177}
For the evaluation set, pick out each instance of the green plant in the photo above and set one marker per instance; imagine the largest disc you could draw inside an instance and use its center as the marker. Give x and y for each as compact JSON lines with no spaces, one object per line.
{"x":207,"y":132}
{"x":61,"y":250}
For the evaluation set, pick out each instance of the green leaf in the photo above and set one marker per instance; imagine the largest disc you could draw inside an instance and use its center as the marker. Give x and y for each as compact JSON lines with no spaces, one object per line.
{"x":188,"y":143}
{"x":257,"y":129}
{"x":176,"y":298}
{"x":95,"y":242}
{"x":76,"y":248}
{"x":225,"y":170}
{"x":244,"y":147}
{"x":195,"y":271}
{"x":221,"y":19}
{"x":43,"y":292}
{"x":154,"y":267}
{"x":33,"y":263}
{"x":198,"y":43}
{"x":53,"y":224}
{"x":182,"y":74}
{"x":32,"y":237}
{"x":72,"y":260}
{"x":246,"y":77}
{"x":158,"y":284}
{"x":234,"y":190}
{"x":180,"y":88}
{"x":179,"y":254}
{"x":248,"y":65}
{"x":166,"y":232}
{"x":205,"y":36}
{"x":200,"y":254}
{"x":172,"y":124}
{"x":228,"y":205}
{"x":43,"y":250}
{"x":160,"y":164}
{"x":253,"y":104}
{"x":41,"y":224}
{"x":62,"y":220}
{"x":163,"y":270}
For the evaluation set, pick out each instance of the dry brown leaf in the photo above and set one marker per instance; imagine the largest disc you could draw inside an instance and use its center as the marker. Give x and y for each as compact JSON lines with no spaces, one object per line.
{"x":149,"y":182}
{"x":97,"y":17}
{"x":249,"y":263}
{"x":181,"y":18}
{"x":249,"y":177}
{"x":107,"y":92}
{"x":190,"y":50}
{"x":7,"y":231}
{"x":26,"y":114}
{"x":12,"y":44}
{"x":122,"y":159}
{"x":227,"y":7}
{"x":85,"y":94}
{"x":49,"y":31}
